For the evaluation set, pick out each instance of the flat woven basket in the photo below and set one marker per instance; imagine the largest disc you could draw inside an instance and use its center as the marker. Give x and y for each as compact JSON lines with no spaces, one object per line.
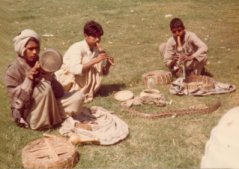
{"x":194,"y":82}
{"x":159,"y":77}
{"x":49,"y":153}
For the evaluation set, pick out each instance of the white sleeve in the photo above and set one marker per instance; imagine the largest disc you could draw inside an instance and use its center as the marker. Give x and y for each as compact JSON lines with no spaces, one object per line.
{"x":73,"y":59}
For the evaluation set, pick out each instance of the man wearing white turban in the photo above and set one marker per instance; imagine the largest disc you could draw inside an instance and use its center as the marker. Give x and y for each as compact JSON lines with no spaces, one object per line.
{"x":21,"y":40}
{"x":37,"y":98}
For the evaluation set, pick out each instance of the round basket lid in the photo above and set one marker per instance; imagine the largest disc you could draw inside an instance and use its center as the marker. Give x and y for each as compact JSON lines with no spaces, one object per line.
{"x":50,"y":60}
{"x":123,"y":95}
{"x":49,"y":153}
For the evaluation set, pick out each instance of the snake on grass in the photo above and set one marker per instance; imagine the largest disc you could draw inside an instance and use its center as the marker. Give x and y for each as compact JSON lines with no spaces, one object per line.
{"x":177,"y":112}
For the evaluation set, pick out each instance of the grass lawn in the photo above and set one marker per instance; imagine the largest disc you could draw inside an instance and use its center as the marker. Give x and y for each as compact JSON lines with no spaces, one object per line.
{"x":133,"y":31}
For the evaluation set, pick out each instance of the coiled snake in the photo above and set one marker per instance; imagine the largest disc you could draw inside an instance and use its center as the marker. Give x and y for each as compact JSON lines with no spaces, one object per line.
{"x":209,"y":109}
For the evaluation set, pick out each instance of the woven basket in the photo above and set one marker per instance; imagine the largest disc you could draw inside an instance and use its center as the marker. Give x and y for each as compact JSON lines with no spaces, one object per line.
{"x":49,"y":153}
{"x":194,"y":82}
{"x":158,"y":77}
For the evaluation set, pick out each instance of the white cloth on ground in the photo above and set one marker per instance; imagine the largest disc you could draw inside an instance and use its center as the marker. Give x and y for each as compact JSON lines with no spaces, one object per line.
{"x":178,"y":87}
{"x":106,"y":127}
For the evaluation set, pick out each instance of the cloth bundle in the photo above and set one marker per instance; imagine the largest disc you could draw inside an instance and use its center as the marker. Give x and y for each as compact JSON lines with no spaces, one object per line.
{"x":105,"y":127}
{"x":179,"y":87}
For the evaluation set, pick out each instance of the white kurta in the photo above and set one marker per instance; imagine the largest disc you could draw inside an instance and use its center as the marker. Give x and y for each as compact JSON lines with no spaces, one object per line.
{"x":71,"y":75}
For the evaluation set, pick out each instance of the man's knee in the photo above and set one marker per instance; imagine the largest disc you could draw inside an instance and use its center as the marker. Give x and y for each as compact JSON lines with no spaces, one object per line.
{"x":72,"y":102}
{"x":79,"y":97}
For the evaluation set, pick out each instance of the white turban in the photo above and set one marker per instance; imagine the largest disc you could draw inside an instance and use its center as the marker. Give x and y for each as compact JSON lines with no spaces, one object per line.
{"x":21,"y":40}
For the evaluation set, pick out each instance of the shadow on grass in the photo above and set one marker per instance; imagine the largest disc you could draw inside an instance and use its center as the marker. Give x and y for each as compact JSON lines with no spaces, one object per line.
{"x":107,"y":89}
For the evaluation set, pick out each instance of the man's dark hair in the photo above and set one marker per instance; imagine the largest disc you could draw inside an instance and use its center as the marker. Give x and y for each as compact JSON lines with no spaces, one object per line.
{"x":176,"y":22}
{"x":93,"y":28}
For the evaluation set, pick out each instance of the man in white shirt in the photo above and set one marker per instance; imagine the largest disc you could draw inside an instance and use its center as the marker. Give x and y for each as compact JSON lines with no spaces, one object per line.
{"x":85,"y":63}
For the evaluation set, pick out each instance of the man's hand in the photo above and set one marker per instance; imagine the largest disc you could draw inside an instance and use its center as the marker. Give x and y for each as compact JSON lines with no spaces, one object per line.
{"x":189,"y":58}
{"x":104,"y":56}
{"x":110,"y":60}
{"x":34,"y":71}
{"x":106,"y":67}
{"x":174,"y":61}
{"x":101,"y":56}
{"x":184,"y":58}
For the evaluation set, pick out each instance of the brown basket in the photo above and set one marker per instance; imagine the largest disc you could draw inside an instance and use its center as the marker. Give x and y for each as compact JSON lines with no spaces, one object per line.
{"x":199,"y":82}
{"x":159,"y":77}
{"x":49,"y":153}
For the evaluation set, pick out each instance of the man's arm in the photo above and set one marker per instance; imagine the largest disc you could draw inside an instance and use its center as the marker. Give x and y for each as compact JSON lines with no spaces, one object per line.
{"x":102,"y":56}
{"x":201,"y":52}
{"x":170,"y":56}
{"x":19,"y":91}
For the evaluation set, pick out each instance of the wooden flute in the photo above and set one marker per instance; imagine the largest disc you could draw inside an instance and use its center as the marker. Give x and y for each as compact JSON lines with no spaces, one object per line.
{"x":101,"y":50}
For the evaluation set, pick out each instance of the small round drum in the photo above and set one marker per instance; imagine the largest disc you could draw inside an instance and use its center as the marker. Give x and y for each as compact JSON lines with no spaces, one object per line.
{"x":49,"y":153}
{"x":50,"y":60}
{"x":158,"y":77}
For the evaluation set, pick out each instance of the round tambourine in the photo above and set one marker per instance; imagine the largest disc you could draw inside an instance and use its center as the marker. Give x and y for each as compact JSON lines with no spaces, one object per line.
{"x":50,"y":60}
{"x":124,"y":95}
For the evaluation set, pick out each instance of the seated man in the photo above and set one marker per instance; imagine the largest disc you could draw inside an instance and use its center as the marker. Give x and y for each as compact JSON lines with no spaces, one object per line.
{"x":184,"y":53}
{"x":85,"y":63}
{"x":37,"y":98}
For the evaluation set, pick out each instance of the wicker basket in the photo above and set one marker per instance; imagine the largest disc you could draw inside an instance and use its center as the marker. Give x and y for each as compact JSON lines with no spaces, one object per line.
{"x":49,"y":153}
{"x":158,"y":77}
{"x":194,"y":82}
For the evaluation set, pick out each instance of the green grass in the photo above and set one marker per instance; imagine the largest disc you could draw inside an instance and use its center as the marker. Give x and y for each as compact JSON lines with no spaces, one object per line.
{"x":133,"y":30}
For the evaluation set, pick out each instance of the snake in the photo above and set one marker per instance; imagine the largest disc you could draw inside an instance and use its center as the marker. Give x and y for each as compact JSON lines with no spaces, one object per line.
{"x":177,"y":112}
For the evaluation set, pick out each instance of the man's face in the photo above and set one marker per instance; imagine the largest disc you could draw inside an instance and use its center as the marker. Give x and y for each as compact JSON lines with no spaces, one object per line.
{"x":178,"y":31}
{"x":92,"y":41}
{"x":32,"y":51}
